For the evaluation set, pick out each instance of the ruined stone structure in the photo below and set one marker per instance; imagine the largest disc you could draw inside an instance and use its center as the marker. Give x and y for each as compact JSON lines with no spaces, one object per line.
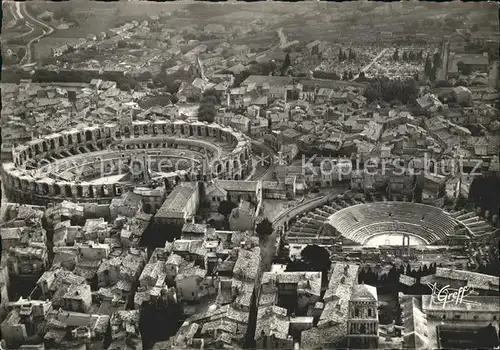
{"x":67,"y":165}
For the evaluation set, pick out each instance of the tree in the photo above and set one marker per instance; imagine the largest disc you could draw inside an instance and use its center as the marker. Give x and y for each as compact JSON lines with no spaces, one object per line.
{"x":211,"y":96}
{"x":361,"y":76}
{"x":463,"y":68}
{"x":395,"y":56}
{"x":385,"y":89}
{"x":428,"y":67}
{"x":352,"y":55}
{"x":207,"y":110}
{"x":286,"y":63}
{"x":124,"y":87}
{"x":436,"y":60}
{"x":145,"y":76}
{"x":207,"y":113}
{"x":264,"y":228}
{"x":226,"y":207}
{"x":317,"y":258}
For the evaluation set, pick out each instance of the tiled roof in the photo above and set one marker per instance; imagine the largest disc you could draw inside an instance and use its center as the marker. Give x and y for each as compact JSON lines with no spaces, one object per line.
{"x":474,"y":280}
{"x":237,"y":186}
{"x":248,"y":264}
{"x":174,"y":205}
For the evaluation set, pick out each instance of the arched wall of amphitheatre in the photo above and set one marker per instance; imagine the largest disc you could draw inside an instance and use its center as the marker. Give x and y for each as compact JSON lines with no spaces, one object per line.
{"x":228,"y":151}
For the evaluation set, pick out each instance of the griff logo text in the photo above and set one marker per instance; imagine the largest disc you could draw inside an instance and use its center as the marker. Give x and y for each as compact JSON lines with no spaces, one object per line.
{"x":447,"y":295}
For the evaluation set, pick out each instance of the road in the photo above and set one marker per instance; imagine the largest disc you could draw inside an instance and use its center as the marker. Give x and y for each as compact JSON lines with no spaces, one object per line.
{"x":32,"y":23}
{"x":282,"y":36}
{"x":368,"y":66}
{"x":15,"y":10}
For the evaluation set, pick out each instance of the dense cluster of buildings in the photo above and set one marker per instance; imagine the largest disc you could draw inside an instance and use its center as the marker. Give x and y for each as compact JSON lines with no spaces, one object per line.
{"x":87,"y":267}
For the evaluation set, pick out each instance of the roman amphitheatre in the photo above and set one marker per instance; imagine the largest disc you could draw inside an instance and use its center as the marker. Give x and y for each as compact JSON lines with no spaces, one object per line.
{"x":93,"y":164}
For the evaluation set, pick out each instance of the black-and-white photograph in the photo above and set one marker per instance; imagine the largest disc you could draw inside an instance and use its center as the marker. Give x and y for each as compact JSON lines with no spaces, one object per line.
{"x":264,"y":175}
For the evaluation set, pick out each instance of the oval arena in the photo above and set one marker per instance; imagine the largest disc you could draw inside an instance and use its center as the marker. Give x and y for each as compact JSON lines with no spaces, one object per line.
{"x":94,"y":163}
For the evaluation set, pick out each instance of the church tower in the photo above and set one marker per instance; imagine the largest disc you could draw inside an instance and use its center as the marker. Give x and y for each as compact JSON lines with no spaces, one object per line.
{"x":362,"y":322}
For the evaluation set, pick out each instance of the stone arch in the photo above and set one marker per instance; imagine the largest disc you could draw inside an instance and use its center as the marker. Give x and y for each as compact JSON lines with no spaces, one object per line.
{"x":191,"y":132}
{"x":145,"y":129}
{"x":45,"y":188}
{"x":61,"y":141}
{"x":98,"y":134}
{"x":91,"y":191}
{"x":81,"y":149}
{"x":45,"y":147}
{"x":52,"y":144}
{"x":79,"y":138}
{"x":164,"y":129}
{"x":37,"y":149}
{"x":70,"y":139}
{"x":126,"y":130}
{"x":79,"y":191}
{"x":30,"y":153}
{"x":235,"y":164}
{"x":57,"y":190}
{"x":177,"y":180}
{"x":102,"y":191}
{"x":67,"y":191}
{"x":136,"y":130}
{"x":88,"y":135}
{"x":155,"y":129}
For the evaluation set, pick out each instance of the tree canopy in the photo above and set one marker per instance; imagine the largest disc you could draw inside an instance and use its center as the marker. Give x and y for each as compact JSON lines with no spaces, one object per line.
{"x":264,"y":228}
{"x":385,"y":89}
{"x":463,"y":68}
{"x":207,"y":110}
{"x":225,"y":207}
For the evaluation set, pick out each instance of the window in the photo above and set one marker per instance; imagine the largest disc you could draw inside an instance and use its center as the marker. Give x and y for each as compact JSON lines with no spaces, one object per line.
{"x":494,"y":318}
{"x":356,"y":312}
{"x":369,"y":312}
{"x":475,"y":317}
{"x":457,"y":317}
